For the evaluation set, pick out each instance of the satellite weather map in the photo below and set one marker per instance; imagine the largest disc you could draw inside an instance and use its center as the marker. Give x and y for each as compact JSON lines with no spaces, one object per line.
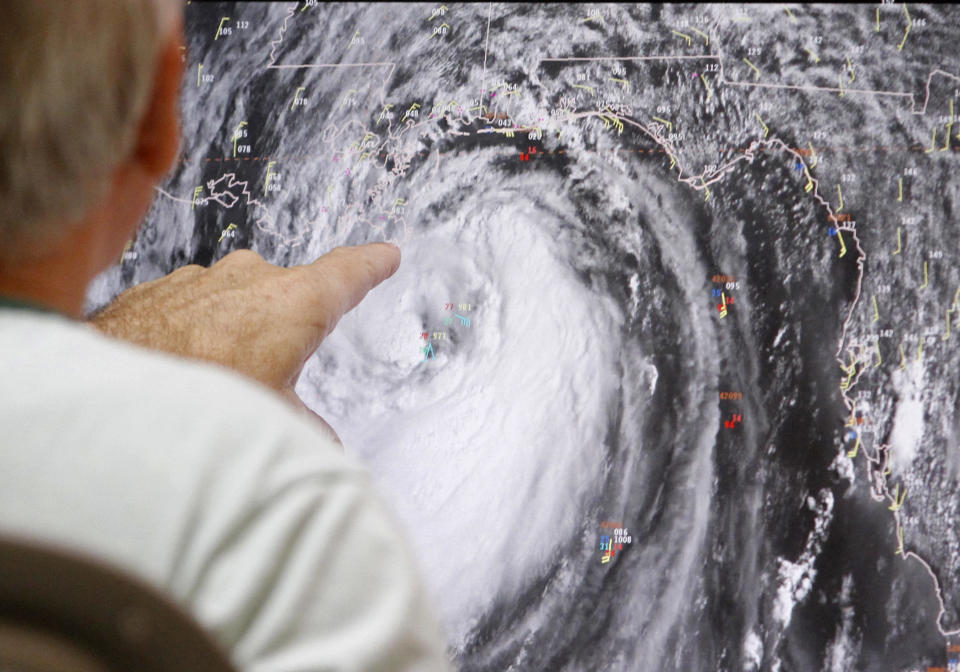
{"x":667,"y":379}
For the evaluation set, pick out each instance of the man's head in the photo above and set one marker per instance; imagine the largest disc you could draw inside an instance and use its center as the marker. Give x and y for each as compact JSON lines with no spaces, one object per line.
{"x":87,"y":120}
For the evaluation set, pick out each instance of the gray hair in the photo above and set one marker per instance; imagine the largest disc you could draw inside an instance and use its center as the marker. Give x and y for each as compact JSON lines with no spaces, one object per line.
{"x":75,"y":80}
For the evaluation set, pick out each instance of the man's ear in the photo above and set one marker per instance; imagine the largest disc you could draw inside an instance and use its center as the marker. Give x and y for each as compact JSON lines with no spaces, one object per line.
{"x":158,"y":139}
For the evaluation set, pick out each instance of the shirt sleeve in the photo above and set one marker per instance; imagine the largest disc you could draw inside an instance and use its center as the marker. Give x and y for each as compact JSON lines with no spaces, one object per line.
{"x":317,"y":576}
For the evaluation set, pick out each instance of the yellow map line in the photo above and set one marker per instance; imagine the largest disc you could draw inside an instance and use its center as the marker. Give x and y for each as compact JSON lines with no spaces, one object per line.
{"x":946,"y":140}
{"x":766,"y":130}
{"x":703,"y":35}
{"x":665,"y":122}
{"x":686,"y":37}
{"x":295,"y":95}
{"x":898,"y":501}
{"x":856,"y":447}
{"x":704,"y":80}
{"x":907,"y":32}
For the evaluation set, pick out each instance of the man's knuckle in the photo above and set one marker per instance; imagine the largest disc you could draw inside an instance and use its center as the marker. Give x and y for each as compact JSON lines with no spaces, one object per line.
{"x":244,"y":256}
{"x":189,"y":269}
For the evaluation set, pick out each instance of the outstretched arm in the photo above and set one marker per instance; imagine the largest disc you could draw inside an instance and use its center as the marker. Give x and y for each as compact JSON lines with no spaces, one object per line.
{"x":244,"y":313}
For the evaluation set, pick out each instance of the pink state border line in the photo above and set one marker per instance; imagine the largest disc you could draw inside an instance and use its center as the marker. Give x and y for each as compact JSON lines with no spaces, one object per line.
{"x":699,"y":182}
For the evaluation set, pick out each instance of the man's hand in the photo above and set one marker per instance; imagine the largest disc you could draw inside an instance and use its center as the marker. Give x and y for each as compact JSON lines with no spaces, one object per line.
{"x":262,"y":320}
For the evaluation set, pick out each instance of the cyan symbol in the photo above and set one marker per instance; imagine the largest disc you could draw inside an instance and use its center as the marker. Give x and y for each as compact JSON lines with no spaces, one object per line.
{"x":464,"y":321}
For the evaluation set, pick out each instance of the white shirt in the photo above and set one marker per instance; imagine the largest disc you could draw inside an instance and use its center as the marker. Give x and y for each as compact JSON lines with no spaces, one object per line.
{"x":212,"y":488}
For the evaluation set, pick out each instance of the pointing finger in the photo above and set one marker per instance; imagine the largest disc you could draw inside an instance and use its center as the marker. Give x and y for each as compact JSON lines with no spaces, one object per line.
{"x":342,"y":277}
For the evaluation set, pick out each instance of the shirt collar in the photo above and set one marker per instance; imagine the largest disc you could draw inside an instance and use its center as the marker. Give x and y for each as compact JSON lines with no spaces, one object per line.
{"x":26,"y":304}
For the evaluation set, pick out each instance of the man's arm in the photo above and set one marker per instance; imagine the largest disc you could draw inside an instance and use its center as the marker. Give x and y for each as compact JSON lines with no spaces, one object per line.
{"x":261,"y":320}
